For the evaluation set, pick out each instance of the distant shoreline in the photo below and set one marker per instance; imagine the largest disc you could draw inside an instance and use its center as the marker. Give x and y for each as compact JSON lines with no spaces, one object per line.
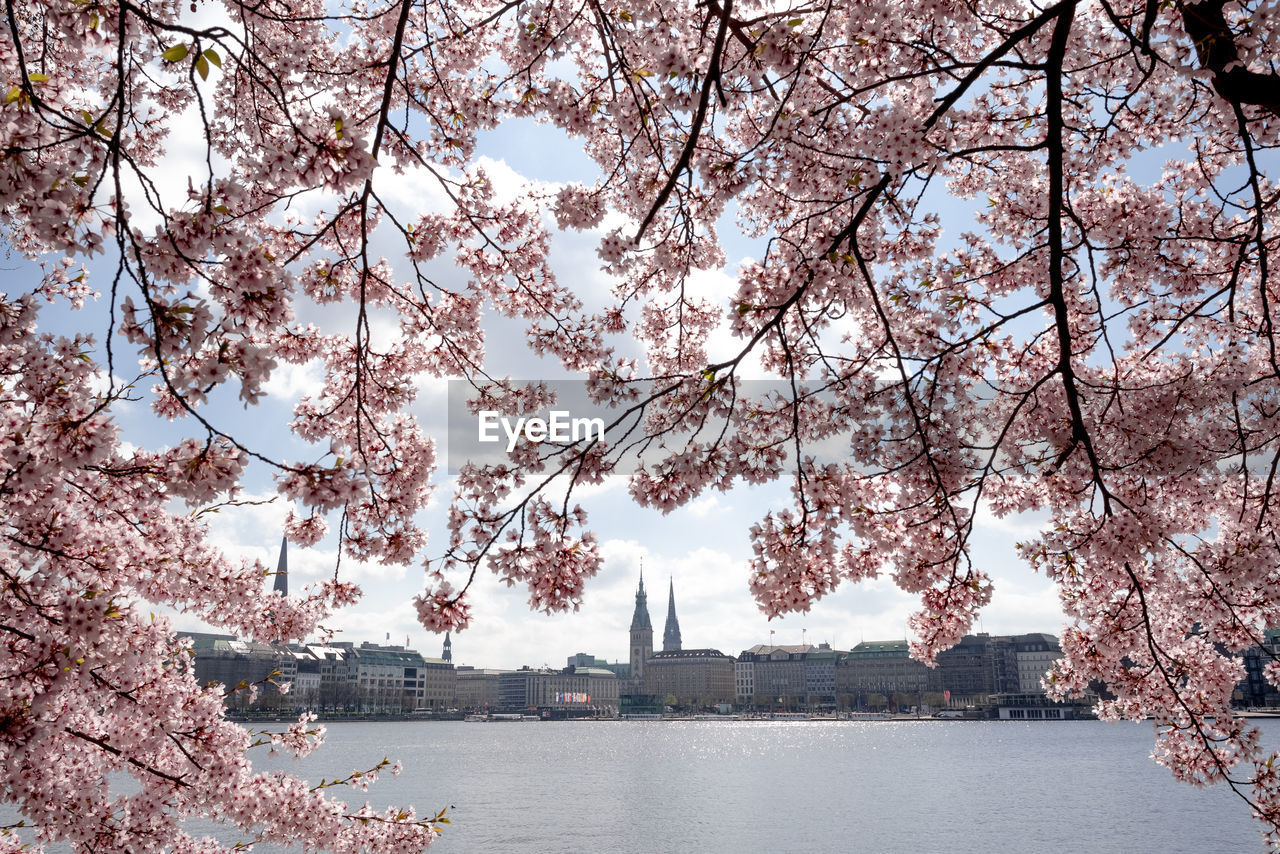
{"x":737,"y":718}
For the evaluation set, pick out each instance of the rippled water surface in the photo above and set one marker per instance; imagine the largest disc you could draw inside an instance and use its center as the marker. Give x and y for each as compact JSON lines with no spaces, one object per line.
{"x":812,"y":787}
{"x":793,"y":787}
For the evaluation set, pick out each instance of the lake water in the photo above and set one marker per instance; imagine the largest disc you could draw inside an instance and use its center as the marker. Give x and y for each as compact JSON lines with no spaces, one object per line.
{"x":929,"y":786}
{"x":807,"y":787}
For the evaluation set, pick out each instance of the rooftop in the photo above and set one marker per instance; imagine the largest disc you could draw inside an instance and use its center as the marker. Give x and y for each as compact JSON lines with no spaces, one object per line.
{"x":677,"y":654}
{"x":889,"y":647}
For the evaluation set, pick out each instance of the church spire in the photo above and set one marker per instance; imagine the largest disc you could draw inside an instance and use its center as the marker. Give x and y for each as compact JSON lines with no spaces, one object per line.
{"x":671,"y":634}
{"x":282,"y":569}
{"x":641,"y":639}
{"x":448,"y":648}
{"x":640,"y":619}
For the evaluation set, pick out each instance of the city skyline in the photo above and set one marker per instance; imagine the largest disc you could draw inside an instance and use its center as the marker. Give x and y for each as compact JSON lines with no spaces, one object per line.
{"x":1001,"y":674}
{"x":536,"y":640}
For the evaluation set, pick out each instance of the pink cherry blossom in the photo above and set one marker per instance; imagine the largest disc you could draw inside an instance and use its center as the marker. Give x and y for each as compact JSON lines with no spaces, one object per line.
{"x":1005,"y":258}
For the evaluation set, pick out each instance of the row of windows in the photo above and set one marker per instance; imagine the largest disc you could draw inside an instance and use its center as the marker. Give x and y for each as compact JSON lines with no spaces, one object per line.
{"x":1035,"y":714}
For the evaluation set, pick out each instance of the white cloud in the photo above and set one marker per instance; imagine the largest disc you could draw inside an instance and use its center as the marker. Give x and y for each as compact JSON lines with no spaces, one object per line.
{"x":414,"y":192}
{"x":289,"y":381}
{"x":508,"y":184}
{"x":1016,"y":526}
{"x":705,"y":506}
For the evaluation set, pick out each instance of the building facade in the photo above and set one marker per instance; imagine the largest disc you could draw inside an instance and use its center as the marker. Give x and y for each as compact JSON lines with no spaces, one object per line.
{"x":477,"y":689}
{"x":871,"y":674}
{"x":1255,"y":690}
{"x":393,"y":679}
{"x":336,"y":692}
{"x":693,"y":677}
{"x":744,"y":680}
{"x":776,"y":676}
{"x":237,"y":665}
{"x":571,"y":692}
{"x":820,"y":677}
{"x":971,"y":673}
{"x":1036,"y":654}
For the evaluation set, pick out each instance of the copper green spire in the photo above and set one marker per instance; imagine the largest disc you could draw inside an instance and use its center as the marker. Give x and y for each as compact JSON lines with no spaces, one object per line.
{"x":640,"y":620}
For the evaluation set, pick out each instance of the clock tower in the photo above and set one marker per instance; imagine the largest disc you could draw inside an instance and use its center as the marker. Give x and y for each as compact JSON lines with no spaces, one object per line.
{"x":641,"y":638}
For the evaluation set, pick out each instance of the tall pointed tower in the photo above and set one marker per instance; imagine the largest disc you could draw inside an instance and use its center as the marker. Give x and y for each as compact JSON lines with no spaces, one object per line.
{"x":641,"y":637}
{"x":671,"y":634}
{"x":282,"y":569}
{"x":447,"y":655}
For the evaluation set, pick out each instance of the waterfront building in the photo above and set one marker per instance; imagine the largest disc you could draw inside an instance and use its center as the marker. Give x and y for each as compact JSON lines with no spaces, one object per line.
{"x":571,"y":692}
{"x":640,"y":707}
{"x":620,"y":669}
{"x":305,"y":690}
{"x":513,"y":690}
{"x":392,"y":679}
{"x":671,"y":633}
{"x":744,"y":680}
{"x":965,"y":672}
{"x":1003,"y":652}
{"x":230,"y":662}
{"x":575,"y":691}
{"x":820,"y":677}
{"x":870,"y":674}
{"x":777,"y":676}
{"x":477,"y":689}
{"x":1255,"y":691}
{"x":694,"y":677}
{"x":336,"y":692}
{"x":976,"y":668}
{"x":882,"y":674}
{"x":641,"y":640}
{"x":789,"y":677}
{"x":1036,"y":654}
{"x":437,"y":684}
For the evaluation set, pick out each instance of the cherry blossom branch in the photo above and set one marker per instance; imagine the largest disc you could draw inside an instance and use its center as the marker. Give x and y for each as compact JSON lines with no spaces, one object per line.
{"x":712,"y":78}
{"x":1216,"y":49}
{"x":115,"y":751}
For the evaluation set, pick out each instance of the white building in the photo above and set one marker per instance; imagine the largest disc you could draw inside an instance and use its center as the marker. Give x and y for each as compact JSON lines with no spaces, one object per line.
{"x":1036,"y":654}
{"x":392,"y":679}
